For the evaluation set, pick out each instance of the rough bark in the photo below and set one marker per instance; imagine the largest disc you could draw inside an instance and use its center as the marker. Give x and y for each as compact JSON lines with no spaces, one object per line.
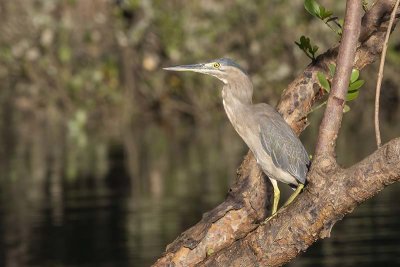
{"x":230,"y":234}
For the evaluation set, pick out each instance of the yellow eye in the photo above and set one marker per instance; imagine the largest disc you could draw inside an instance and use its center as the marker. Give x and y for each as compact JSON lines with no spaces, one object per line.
{"x":216,"y":65}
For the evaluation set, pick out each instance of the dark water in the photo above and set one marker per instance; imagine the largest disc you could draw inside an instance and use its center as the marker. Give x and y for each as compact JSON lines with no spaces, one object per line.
{"x":148,"y":193}
{"x":100,"y":224}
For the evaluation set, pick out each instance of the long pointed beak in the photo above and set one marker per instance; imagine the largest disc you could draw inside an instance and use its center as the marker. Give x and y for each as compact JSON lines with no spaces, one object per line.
{"x":194,"y":67}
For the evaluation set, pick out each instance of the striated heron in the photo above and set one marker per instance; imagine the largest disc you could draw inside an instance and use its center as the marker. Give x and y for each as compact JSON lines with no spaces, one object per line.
{"x":277,"y":149}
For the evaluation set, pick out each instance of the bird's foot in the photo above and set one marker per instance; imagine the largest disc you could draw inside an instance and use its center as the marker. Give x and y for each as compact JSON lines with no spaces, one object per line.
{"x":275,"y":206}
{"x":268,"y":219}
{"x":294,"y":195}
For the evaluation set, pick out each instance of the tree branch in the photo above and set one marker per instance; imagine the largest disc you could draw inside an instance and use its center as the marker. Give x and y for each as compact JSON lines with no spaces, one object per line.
{"x":315,"y":212}
{"x":246,"y":202}
{"x":332,"y":120}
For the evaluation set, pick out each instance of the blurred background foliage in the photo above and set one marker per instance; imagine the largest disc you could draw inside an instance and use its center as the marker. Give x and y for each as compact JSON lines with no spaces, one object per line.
{"x":90,"y":122}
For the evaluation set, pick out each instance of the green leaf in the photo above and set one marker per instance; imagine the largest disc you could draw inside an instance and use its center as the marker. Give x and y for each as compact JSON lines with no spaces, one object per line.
{"x":303,"y":40}
{"x":308,"y":49}
{"x":324,"y":13}
{"x":321,"y":11}
{"x":352,"y":95}
{"x":341,"y":22}
{"x":307,"y":43}
{"x":356,"y":85}
{"x":354,"y":75}
{"x":312,"y":7}
{"x":346,"y":108}
{"x":332,"y":69}
{"x":323,"y":81}
{"x":327,"y":14}
{"x":352,"y":91}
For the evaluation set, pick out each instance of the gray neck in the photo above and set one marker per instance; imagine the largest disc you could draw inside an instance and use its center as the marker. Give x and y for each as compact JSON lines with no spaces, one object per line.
{"x":237,"y":99}
{"x":238,"y":91}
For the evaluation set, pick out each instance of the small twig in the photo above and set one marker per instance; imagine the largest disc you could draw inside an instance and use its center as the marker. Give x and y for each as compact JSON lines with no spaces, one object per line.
{"x":317,"y":107}
{"x":380,"y":75}
{"x":330,"y":27}
{"x":309,"y":56}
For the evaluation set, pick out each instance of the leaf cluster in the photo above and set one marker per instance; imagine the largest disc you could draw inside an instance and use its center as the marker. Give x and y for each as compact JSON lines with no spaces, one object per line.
{"x":354,"y":85}
{"x":309,"y":49}
{"x":324,"y":14}
{"x":317,"y":10}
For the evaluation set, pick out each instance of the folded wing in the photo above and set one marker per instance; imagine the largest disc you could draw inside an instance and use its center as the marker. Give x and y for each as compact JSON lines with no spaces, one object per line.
{"x":284,"y":147}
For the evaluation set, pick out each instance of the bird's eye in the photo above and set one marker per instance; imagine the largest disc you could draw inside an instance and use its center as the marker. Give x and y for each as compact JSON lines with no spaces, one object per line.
{"x":216,"y":65}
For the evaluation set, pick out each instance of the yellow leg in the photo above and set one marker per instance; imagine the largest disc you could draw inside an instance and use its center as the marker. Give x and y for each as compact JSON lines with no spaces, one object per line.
{"x":277,"y":195}
{"x":294,"y":195}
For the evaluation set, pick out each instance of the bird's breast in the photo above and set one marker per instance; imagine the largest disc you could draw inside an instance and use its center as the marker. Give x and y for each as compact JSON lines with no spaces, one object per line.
{"x":236,"y":115}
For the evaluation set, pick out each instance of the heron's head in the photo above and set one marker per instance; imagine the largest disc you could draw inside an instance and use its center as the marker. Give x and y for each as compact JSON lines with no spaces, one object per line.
{"x":224,"y":69}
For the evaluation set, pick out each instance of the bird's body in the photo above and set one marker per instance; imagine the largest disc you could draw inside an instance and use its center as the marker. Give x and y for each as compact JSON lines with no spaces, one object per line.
{"x":282,"y":157}
{"x":277,"y":149}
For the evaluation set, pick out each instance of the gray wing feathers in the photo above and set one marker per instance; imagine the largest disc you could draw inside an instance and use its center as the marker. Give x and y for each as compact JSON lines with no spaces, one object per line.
{"x":284,"y":147}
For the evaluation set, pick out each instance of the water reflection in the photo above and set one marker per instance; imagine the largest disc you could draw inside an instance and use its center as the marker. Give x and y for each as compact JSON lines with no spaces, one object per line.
{"x":68,"y":203}
{"x":118,"y":201}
